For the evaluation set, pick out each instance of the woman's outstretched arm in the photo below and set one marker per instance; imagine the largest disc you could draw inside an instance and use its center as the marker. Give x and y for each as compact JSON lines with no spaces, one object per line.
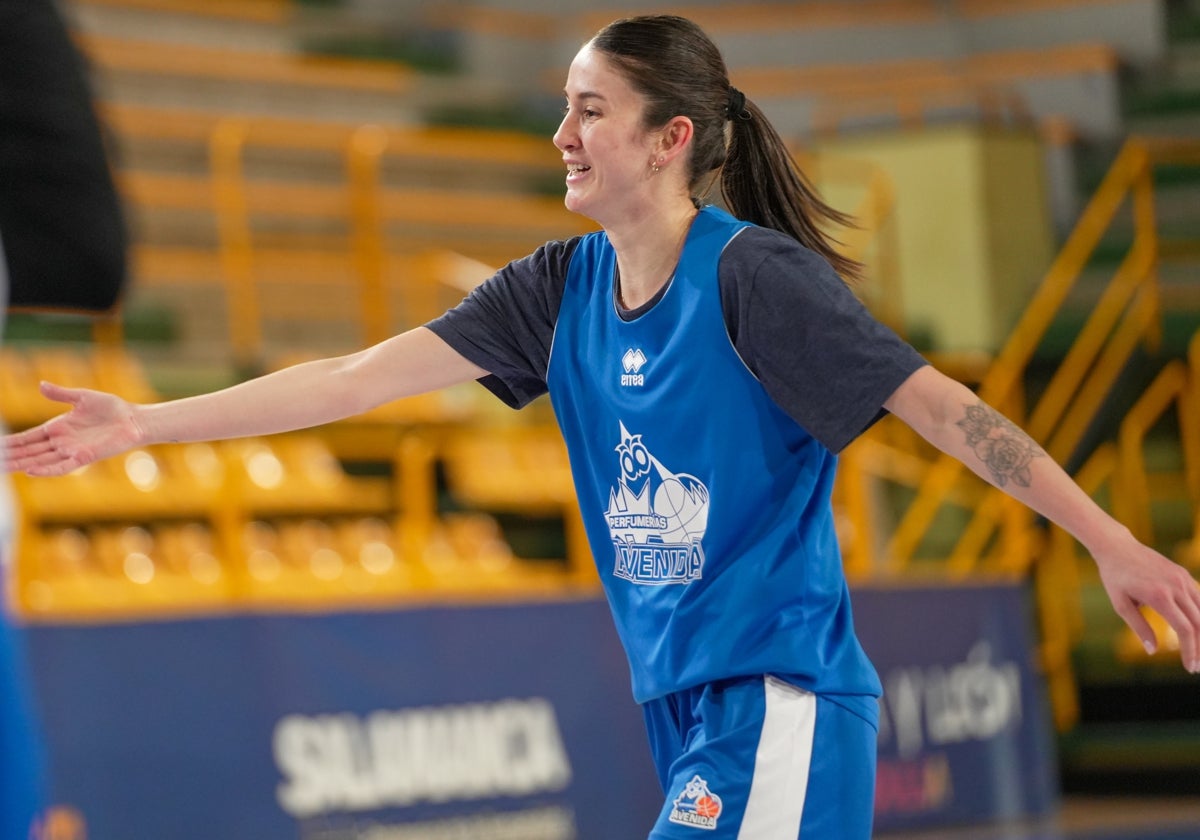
{"x":956,"y":421}
{"x":100,"y":425}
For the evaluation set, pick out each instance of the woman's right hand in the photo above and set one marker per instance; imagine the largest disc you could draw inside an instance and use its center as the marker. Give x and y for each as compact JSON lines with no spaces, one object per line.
{"x":97,"y":426}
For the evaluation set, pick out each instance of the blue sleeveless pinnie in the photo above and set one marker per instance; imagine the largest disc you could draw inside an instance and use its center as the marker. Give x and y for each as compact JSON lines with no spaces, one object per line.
{"x":706,"y":506}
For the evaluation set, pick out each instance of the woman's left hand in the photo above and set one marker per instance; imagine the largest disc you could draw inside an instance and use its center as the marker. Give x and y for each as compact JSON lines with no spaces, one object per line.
{"x":1136,"y":576}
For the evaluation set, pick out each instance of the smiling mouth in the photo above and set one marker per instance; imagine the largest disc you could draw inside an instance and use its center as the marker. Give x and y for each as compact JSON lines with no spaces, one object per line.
{"x":576,"y":169}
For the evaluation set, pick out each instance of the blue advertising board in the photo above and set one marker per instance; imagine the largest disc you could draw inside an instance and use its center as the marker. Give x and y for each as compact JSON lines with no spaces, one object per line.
{"x":965,"y":731}
{"x":497,"y":722}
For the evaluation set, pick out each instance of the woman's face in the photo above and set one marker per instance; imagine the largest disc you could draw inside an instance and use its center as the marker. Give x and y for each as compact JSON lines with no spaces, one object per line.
{"x":607,"y":152}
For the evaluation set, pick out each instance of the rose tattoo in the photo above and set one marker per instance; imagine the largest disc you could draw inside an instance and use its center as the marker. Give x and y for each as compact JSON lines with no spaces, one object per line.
{"x":998,"y":442}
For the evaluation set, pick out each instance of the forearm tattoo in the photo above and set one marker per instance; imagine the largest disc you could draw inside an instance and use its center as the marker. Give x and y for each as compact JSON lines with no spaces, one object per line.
{"x":1000,"y":444}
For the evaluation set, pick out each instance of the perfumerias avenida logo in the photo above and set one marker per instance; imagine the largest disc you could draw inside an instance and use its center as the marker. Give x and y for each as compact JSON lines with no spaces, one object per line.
{"x":657,"y":518}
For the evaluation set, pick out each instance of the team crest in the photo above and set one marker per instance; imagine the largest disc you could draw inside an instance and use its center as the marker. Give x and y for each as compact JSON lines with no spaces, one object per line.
{"x":697,"y":806}
{"x":656,"y":517}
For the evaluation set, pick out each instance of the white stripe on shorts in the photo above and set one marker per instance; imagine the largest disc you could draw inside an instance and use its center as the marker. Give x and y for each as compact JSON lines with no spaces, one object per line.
{"x":776,"y":801}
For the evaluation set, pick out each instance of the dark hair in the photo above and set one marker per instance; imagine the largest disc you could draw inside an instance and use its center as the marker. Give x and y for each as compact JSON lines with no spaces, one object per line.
{"x":679,"y":70}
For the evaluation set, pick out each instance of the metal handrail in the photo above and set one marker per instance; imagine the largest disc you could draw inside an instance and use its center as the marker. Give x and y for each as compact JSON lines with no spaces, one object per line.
{"x":1138,"y":323}
{"x":1001,"y":533}
{"x":1058,"y":591}
{"x":1130,"y":174}
{"x":363,"y":155}
{"x":1131,"y":501}
{"x":234,"y":239}
{"x":1189,"y":418}
{"x":361,"y":202}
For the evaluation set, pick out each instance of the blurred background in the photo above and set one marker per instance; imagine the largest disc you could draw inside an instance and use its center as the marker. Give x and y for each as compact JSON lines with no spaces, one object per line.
{"x":390,"y":627}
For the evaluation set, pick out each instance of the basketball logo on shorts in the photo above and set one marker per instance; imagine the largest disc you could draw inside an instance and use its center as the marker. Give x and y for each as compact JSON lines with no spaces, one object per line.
{"x":657,"y":518}
{"x":697,"y":806}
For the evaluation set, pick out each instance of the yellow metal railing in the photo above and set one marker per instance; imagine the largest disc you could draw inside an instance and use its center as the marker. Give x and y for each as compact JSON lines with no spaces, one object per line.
{"x":373,"y":206}
{"x":1073,"y":396}
{"x":355,"y":213}
{"x":370,"y":246}
{"x":1132,"y":489}
{"x":1132,"y":504}
{"x":1000,"y":535}
{"x":1057,"y":586}
{"x":235,"y":244}
{"x":1188,"y":406}
{"x":1191,"y":445}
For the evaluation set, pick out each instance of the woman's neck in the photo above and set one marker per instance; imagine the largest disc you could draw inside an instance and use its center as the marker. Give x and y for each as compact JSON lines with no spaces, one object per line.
{"x":648,"y":251}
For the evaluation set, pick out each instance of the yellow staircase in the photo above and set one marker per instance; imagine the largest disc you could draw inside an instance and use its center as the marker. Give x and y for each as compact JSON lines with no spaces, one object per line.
{"x":949,"y":523}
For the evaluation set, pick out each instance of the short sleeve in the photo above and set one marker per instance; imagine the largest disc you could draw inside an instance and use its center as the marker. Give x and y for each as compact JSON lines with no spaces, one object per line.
{"x":820,"y":355}
{"x":506,"y":325}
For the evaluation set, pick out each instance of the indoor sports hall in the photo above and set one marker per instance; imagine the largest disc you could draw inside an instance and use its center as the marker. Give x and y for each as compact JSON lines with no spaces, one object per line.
{"x":392,"y":627}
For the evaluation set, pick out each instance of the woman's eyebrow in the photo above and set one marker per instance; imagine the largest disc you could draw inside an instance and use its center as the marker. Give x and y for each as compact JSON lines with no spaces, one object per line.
{"x":587,"y":94}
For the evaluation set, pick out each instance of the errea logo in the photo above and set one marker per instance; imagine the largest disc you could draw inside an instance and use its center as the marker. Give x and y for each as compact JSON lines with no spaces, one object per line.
{"x":632,"y":362}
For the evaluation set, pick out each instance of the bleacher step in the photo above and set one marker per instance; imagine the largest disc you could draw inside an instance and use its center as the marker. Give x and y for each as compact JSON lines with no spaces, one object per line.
{"x":154,"y":89}
{"x":183,"y":25}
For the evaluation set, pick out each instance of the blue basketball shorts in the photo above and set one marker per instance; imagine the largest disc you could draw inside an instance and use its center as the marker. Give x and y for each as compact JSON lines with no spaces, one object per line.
{"x":757,"y":758}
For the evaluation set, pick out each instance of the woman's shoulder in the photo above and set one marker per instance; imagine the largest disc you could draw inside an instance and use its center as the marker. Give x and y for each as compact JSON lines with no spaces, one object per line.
{"x":760,"y":255}
{"x":767,"y":241}
{"x":545,"y":267}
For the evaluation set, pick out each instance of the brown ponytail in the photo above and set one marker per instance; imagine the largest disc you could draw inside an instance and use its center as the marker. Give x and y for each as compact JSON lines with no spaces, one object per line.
{"x":761,"y":183}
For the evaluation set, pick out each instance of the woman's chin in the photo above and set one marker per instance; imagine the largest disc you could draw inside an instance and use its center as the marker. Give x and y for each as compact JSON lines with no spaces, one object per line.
{"x":577,"y":204}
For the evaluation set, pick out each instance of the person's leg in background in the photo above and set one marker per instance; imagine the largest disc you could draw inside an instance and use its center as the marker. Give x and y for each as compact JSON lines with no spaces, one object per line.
{"x":62,"y":222}
{"x":22,"y":765}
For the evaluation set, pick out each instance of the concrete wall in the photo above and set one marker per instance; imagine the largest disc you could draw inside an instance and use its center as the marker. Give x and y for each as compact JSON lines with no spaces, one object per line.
{"x":974,"y":229}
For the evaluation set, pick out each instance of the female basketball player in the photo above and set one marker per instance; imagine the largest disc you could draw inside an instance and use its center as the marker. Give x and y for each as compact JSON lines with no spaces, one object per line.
{"x":704,"y":367}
